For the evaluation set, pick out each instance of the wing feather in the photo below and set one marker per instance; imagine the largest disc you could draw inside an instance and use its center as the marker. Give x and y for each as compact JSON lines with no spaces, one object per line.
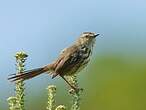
{"x":69,"y":57}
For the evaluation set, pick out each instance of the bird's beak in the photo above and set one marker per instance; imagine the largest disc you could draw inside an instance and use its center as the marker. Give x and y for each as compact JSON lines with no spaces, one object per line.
{"x":96,"y":35}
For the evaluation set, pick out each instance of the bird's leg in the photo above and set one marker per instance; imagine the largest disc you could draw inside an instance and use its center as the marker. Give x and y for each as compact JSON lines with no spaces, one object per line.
{"x":73,"y":87}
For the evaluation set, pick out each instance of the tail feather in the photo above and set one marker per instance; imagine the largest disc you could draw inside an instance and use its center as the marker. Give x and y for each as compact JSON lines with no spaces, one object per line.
{"x":28,"y":74}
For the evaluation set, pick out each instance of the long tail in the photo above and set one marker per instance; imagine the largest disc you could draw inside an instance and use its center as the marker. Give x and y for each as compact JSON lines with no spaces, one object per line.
{"x":29,"y":74}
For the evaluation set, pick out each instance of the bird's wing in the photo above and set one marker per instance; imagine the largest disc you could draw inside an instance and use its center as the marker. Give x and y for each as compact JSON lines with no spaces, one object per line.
{"x":67,"y":59}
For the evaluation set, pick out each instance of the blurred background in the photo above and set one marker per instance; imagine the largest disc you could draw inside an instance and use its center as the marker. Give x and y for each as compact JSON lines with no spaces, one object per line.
{"x":115,"y":78}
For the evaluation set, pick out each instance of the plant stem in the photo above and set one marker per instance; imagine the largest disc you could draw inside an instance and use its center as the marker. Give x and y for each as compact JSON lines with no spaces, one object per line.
{"x":20,"y":60}
{"x":51,"y":94}
{"x":75,"y":94}
{"x":61,"y":107}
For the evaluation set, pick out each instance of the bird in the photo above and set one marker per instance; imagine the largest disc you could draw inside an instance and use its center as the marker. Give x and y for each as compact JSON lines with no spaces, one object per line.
{"x":70,"y":61}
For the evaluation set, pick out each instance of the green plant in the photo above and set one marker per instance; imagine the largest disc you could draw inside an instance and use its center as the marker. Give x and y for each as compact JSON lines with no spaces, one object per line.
{"x":75,"y":94}
{"x":51,"y":94}
{"x":61,"y":107}
{"x":17,"y":102}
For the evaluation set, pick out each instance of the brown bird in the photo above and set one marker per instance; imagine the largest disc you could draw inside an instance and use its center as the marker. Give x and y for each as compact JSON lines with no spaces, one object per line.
{"x":70,"y":61}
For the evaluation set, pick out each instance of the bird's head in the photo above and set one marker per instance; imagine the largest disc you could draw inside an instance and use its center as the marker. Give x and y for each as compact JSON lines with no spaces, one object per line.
{"x":87,"y":38}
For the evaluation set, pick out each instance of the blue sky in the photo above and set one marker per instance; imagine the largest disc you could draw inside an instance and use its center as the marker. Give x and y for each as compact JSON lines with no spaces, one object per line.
{"x":43,"y":27}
